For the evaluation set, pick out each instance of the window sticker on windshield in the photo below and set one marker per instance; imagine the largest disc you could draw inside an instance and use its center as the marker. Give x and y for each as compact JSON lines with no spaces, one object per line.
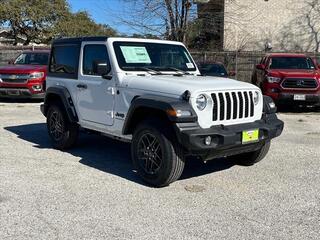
{"x":190,"y":65}
{"x":135,"y":54}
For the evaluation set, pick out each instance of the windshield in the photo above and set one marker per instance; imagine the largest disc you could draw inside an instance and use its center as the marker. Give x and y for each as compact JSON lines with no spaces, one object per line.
{"x":32,"y":59}
{"x":142,"y":56}
{"x":291,"y":63}
{"x":216,"y":70}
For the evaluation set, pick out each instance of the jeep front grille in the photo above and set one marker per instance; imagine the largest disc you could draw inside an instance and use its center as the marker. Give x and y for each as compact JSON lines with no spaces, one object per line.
{"x":299,"y":83}
{"x":14,"y":78}
{"x":232,"y":105}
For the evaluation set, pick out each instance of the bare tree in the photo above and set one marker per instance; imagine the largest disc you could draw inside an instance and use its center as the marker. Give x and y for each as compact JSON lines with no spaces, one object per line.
{"x":199,"y":25}
{"x":238,"y":24}
{"x":168,"y":18}
{"x":311,"y":23}
{"x":303,"y":32}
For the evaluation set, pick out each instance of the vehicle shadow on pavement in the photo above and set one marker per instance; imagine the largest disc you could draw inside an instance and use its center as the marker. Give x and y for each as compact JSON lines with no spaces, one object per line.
{"x":298,"y":109}
{"x":109,"y":155}
{"x":22,"y":100}
{"x":196,"y":167}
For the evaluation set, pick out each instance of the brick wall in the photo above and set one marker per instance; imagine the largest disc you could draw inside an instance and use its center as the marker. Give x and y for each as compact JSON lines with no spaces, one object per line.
{"x":6,"y":55}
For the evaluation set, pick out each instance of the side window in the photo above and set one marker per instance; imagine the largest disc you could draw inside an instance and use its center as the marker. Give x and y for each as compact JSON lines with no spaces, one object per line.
{"x":93,"y":56}
{"x":64,"y":60}
{"x":20,"y":59}
{"x":310,"y":63}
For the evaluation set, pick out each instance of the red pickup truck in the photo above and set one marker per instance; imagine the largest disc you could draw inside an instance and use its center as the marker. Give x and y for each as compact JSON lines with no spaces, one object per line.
{"x":25,"y":76}
{"x":289,"y":79}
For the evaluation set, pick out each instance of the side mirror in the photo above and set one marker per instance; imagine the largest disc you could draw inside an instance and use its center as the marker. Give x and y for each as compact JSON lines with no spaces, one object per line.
{"x":102,"y":68}
{"x":261,"y":66}
{"x":11,"y":61}
{"x":232,"y":73}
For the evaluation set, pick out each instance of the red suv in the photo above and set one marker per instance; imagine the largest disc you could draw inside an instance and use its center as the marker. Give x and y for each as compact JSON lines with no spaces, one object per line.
{"x":25,"y":76}
{"x":289,"y":79}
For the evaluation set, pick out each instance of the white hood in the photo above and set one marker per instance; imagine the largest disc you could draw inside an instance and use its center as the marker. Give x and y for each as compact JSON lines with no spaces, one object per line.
{"x":176,"y":85}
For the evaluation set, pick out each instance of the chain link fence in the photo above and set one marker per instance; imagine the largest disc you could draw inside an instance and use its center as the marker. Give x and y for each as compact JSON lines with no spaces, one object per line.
{"x":242,"y":63}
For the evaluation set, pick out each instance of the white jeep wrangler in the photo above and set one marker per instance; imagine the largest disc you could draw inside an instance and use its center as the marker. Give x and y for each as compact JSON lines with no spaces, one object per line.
{"x":150,"y":92}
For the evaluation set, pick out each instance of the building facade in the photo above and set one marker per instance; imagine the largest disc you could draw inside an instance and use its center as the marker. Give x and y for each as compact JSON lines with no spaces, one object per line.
{"x":283,"y":24}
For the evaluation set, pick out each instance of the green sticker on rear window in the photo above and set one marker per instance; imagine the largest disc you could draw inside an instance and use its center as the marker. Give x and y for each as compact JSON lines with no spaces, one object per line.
{"x":135,"y":54}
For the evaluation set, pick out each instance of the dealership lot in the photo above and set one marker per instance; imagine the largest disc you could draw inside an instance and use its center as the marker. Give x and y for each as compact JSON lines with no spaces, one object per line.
{"x":91,"y":191}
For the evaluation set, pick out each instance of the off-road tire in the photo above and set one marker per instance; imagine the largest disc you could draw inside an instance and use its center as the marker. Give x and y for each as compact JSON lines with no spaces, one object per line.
{"x":251,"y":158}
{"x":157,"y":172}
{"x":62,"y":132}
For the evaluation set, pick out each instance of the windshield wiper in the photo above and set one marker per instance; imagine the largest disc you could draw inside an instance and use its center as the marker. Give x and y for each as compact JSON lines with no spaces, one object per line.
{"x":149,"y":70}
{"x":177,"y":70}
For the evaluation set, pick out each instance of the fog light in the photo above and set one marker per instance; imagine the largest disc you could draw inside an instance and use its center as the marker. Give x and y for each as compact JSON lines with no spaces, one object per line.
{"x":272,"y":105}
{"x":208,"y":140}
{"x":275,"y":90}
{"x":37,"y":87}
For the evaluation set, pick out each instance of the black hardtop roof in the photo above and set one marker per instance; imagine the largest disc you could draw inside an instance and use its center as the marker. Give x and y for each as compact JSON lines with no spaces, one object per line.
{"x":79,"y":39}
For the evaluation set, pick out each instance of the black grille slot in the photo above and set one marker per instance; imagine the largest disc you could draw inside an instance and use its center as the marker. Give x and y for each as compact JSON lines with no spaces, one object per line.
{"x":215,"y":107}
{"x":228,"y":99}
{"x":235,"y":105}
{"x":251,"y":104}
{"x":299,"y":83}
{"x":240,"y":105}
{"x":6,"y":80}
{"x":221,"y":106}
{"x":246,"y":100}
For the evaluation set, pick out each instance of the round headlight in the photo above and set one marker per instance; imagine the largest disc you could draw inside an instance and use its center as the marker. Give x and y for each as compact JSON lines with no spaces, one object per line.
{"x":201,"y":102}
{"x":256,"y":98}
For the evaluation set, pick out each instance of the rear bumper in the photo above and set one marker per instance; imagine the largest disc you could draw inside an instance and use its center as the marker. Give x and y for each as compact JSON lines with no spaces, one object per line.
{"x":20,"y":93}
{"x":227,"y":140}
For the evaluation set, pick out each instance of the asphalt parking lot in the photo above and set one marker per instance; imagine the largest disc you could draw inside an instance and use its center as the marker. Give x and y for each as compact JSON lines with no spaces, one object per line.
{"x":91,"y":192}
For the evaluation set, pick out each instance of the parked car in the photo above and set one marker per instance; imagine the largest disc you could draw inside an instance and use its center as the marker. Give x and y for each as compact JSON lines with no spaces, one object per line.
{"x":214,"y":69}
{"x":149,"y":92}
{"x":25,"y":76}
{"x":289,"y":79}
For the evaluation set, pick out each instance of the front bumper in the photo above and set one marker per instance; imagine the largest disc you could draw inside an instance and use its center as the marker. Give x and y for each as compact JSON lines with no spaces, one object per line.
{"x":227,"y":140}
{"x":288,"y":98}
{"x":20,"y":93}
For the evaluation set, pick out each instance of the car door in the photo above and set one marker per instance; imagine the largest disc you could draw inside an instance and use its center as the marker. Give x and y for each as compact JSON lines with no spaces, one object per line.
{"x":95,"y":98}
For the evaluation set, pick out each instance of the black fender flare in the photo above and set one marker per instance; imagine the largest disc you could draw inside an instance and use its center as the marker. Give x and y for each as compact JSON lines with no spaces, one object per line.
{"x":64,"y":96}
{"x":160,"y":103}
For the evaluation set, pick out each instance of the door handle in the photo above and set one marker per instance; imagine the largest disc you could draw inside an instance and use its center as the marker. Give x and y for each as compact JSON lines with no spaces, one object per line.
{"x":82,"y":86}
